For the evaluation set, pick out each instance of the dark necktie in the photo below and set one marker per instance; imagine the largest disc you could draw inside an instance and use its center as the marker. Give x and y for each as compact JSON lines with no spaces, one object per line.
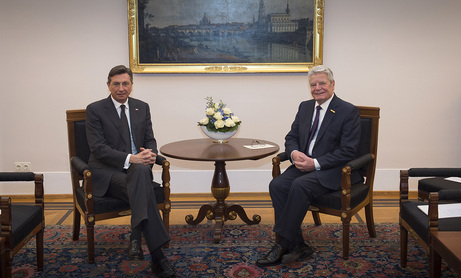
{"x":125,"y":129}
{"x":314,"y":127}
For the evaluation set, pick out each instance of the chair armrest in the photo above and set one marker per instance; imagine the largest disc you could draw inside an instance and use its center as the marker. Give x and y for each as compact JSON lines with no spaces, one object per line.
{"x":283,"y":156}
{"x":26,"y":176}
{"x":403,"y":185}
{"x":79,"y":165}
{"x":39,"y":190}
{"x":434,"y":172}
{"x":360,"y":162}
{"x":5,"y":217}
{"x":160,"y":159}
{"x":17,"y":176}
{"x":276,"y":163}
{"x":450,"y":194}
{"x":433,"y":212}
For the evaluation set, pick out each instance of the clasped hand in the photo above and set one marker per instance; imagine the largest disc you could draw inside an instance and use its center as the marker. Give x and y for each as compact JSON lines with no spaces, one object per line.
{"x":145,"y":156}
{"x":302,"y":161}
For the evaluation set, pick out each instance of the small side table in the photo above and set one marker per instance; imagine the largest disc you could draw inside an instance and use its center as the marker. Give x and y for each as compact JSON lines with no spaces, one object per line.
{"x":446,"y":245}
{"x":206,"y":150}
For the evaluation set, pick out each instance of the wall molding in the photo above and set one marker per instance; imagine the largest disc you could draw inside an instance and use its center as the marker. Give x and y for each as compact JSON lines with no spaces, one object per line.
{"x":194,"y":181}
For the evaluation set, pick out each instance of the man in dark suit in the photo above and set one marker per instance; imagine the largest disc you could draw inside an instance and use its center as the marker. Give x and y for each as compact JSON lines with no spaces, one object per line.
{"x":324,"y":136}
{"x":123,"y":150}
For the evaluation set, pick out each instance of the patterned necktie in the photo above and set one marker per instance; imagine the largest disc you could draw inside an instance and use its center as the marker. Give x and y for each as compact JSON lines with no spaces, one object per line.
{"x":125,"y":129}
{"x":314,"y":127}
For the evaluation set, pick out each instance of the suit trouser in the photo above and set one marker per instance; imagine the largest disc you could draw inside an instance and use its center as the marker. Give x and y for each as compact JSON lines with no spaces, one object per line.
{"x":292,"y":193}
{"x":136,"y":187}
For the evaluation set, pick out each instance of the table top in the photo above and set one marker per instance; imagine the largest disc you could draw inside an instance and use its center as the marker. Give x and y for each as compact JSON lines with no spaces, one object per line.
{"x":205,"y":149}
{"x":451,"y":239}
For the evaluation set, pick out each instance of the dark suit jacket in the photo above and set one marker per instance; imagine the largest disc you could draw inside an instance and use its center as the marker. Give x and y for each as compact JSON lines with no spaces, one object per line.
{"x":337,"y":141}
{"x":107,"y":147}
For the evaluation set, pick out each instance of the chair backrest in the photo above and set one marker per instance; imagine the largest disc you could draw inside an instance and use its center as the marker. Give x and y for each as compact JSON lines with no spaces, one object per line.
{"x":369,"y":117}
{"x":76,"y":131}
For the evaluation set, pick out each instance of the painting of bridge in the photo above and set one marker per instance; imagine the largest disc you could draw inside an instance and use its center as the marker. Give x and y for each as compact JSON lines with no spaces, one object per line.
{"x":243,"y":32}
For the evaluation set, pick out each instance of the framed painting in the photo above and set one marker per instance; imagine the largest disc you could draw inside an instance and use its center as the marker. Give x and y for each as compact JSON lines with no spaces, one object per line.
{"x":225,"y":36}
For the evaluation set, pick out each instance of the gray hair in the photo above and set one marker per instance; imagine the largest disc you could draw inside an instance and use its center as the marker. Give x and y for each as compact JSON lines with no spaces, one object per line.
{"x":321,"y":69}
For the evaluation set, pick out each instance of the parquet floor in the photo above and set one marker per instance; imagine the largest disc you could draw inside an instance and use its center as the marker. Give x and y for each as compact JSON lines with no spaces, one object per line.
{"x":385,"y":209}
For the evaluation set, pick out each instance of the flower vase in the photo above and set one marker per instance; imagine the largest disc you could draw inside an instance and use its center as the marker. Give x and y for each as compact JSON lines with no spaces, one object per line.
{"x":218,"y":137}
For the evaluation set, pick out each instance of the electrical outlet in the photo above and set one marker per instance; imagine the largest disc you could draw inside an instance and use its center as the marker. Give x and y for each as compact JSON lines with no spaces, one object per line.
{"x":22,"y":166}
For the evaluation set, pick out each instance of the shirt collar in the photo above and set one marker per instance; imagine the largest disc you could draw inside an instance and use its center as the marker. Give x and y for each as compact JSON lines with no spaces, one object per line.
{"x":325,"y":104}
{"x":118,"y":104}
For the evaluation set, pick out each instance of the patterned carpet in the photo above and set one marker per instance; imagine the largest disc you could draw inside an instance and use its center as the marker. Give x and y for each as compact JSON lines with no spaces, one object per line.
{"x":194,"y":254}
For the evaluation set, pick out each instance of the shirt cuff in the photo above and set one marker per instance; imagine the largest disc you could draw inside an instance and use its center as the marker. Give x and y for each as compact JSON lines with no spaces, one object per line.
{"x":317,"y":165}
{"x":127,"y":162}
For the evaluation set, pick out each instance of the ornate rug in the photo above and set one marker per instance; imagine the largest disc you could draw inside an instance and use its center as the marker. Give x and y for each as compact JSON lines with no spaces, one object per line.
{"x":194,"y":254}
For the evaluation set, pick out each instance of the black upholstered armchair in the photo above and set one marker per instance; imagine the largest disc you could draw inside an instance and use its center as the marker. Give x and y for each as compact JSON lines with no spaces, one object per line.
{"x":351,"y":198}
{"x":434,"y":180}
{"x":93,"y":208}
{"x":412,"y":219}
{"x":20,"y":222}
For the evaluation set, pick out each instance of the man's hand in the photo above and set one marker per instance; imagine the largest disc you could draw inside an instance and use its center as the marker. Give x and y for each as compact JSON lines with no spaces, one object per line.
{"x":302,"y":161}
{"x":145,"y":156}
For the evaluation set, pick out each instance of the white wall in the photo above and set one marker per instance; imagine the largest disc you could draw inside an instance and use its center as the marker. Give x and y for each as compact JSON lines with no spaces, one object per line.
{"x":402,"y":56}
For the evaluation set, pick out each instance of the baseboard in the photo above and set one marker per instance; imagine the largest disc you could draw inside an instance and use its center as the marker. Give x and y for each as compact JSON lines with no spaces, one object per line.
{"x":208,"y":196}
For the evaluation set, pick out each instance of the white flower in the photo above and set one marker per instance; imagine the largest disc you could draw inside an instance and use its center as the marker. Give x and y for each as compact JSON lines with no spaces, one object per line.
{"x":217,"y":116}
{"x":229,"y":122}
{"x":209,"y":111}
{"x":226,"y":111}
{"x":219,"y":124}
{"x":204,"y":121}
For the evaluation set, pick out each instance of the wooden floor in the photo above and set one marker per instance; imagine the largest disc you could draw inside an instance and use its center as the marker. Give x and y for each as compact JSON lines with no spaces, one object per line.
{"x":58,"y":210}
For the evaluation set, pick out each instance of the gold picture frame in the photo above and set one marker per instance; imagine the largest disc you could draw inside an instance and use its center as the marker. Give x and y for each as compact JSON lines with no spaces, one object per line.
{"x":174,"y":40}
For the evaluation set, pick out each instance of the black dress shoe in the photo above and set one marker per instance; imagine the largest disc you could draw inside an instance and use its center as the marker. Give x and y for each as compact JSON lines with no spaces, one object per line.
{"x":135,"y":251}
{"x":163,"y":269}
{"x":300,"y":251}
{"x":274,"y":257}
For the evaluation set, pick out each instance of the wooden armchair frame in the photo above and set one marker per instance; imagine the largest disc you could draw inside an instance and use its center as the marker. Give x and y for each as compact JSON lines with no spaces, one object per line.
{"x":414,"y":228}
{"x":350,"y":198}
{"x":11,"y":215}
{"x":82,"y":184}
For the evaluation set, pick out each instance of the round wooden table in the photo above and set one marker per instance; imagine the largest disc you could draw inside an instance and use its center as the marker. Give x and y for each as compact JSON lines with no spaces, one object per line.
{"x":207,"y":150}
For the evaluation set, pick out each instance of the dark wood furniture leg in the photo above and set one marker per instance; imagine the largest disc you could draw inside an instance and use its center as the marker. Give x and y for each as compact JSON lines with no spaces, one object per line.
{"x":444,"y":245}
{"x":220,"y":211}
{"x":3,"y":255}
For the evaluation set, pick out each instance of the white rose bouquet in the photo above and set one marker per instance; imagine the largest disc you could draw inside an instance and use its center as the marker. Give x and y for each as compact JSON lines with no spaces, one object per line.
{"x":219,"y":118}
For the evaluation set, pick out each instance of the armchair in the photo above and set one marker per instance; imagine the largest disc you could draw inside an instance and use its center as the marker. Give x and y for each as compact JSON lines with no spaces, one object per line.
{"x":93,"y":208}
{"x":412,"y":220}
{"x":20,"y":222}
{"x":434,"y":180}
{"x":351,"y":198}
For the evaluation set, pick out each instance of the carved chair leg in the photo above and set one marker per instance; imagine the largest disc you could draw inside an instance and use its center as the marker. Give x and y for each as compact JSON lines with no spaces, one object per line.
{"x":76,"y":228}
{"x":90,"y":239}
{"x":346,"y":235}
{"x":39,"y":246}
{"x":8,"y":264}
{"x":166,"y":223}
{"x":370,"y":220}
{"x":403,"y":246}
{"x":316,"y":217}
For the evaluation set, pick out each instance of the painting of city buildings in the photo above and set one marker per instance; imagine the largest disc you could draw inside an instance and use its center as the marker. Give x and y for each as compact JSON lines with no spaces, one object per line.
{"x":225,"y":31}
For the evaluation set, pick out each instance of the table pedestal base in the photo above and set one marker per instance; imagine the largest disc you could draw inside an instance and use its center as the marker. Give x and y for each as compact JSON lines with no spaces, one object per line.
{"x":221,"y":211}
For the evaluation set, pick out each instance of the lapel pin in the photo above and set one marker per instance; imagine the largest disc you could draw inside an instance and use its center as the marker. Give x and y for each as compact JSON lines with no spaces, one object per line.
{"x":136,"y":109}
{"x":333,"y":111}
